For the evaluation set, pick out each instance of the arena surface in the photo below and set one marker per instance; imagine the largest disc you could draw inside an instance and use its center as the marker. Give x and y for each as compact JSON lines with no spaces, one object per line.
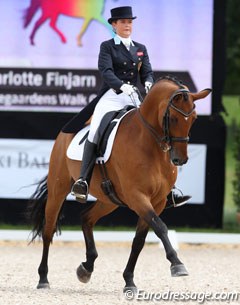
{"x":214,"y":273}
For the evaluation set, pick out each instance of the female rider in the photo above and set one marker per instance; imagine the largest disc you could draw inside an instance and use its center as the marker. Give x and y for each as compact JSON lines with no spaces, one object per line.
{"x":121,"y":61}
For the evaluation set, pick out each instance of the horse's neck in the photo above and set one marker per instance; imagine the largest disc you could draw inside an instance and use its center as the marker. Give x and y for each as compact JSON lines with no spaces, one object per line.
{"x":156,"y":102}
{"x":149,"y":111}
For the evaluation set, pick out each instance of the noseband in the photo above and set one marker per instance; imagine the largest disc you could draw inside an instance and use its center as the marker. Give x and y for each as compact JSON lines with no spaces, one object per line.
{"x":165,"y":141}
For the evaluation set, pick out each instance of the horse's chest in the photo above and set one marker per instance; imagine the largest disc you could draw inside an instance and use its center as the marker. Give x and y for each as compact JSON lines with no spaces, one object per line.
{"x":165,"y":178}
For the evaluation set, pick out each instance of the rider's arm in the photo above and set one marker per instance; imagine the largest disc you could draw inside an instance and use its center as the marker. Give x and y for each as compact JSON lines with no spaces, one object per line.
{"x":105,"y":65}
{"x":145,"y":71}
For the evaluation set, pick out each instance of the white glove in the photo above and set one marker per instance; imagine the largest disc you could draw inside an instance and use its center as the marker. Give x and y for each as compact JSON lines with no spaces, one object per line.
{"x":148,"y":86}
{"x":127,"y":89}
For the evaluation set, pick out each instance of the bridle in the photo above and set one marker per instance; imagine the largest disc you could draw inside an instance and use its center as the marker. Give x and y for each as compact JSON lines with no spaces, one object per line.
{"x":165,"y":141}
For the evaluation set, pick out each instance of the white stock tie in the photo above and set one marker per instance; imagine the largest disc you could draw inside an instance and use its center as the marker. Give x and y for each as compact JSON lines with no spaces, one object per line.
{"x":127,"y":45}
{"x":126,"y":42}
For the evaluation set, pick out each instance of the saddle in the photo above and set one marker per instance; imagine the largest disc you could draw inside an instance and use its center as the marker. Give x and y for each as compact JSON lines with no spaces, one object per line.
{"x":107,"y":124}
{"x":106,"y":136}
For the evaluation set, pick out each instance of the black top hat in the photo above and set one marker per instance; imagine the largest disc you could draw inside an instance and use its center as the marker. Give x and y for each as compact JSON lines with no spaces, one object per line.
{"x":122,"y":12}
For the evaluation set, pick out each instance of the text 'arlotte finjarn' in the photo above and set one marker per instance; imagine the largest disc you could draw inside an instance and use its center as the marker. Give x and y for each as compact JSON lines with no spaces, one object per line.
{"x":67,"y":80}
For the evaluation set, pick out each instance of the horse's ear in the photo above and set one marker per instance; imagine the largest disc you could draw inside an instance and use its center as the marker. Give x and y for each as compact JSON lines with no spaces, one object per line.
{"x":201,"y":94}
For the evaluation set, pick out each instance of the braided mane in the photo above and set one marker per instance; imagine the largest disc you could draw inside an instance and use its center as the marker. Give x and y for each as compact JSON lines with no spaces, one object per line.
{"x":173,"y":79}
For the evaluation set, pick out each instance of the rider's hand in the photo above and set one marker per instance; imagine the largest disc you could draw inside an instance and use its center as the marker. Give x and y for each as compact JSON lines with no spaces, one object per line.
{"x":127,"y":89}
{"x":148,"y":86}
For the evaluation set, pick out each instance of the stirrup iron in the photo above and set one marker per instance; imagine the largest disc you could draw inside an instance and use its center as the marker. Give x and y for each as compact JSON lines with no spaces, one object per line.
{"x":80,"y":190}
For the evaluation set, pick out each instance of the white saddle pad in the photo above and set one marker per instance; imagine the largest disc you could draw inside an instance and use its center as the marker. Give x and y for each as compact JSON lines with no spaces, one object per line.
{"x":75,"y":150}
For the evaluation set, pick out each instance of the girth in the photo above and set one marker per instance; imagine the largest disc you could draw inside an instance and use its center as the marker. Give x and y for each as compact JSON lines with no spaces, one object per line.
{"x":106,"y":126}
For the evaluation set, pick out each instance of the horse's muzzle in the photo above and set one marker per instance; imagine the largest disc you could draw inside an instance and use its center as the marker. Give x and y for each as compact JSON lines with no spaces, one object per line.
{"x":179,"y":162}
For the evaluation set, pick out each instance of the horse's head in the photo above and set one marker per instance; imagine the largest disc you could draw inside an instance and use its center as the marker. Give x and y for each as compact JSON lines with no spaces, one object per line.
{"x":177,"y":121}
{"x":172,"y":120}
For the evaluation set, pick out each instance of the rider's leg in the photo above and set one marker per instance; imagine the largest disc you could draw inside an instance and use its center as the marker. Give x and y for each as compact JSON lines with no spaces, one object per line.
{"x":109,"y":101}
{"x":81,"y":186}
{"x":176,"y":199}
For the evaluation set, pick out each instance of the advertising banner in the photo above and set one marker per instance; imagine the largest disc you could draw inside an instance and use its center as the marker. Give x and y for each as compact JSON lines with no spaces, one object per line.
{"x":23,"y":163}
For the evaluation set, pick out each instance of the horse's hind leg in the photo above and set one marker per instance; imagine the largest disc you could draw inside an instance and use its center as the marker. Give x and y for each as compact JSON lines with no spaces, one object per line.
{"x":52,"y":213}
{"x":89,"y":219}
{"x":137,"y":246}
{"x":59,"y":185}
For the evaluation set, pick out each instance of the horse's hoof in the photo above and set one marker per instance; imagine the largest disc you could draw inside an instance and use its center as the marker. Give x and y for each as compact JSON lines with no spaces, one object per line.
{"x":130,"y":292}
{"x":178,"y":270}
{"x":83,"y":275}
{"x":43,"y":286}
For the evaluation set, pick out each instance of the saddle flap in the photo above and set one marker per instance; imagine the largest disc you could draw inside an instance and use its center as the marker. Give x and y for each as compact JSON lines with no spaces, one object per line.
{"x":107,"y":124}
{"x":107,"y":135}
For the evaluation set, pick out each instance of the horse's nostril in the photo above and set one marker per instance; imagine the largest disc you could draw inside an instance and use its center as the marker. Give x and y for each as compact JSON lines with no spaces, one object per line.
{"x":179,"y":162}
{"x":176,"y":161}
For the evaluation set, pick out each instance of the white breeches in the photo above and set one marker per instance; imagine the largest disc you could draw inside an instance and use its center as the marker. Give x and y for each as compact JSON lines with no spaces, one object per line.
{"x":110,"y":101}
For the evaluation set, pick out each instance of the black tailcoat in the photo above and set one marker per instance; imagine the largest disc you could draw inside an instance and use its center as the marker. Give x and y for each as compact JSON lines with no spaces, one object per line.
{"x":117,"y":65}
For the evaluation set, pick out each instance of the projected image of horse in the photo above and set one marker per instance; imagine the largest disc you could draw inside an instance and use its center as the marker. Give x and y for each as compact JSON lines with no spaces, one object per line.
{"x":150,"y":143}
{"x":50,"y":10}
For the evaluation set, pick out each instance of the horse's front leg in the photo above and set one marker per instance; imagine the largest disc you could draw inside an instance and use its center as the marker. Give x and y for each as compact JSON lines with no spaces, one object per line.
{"x":54,"y":27}
{"x":137,"y":246}
{"x":154,"y":221}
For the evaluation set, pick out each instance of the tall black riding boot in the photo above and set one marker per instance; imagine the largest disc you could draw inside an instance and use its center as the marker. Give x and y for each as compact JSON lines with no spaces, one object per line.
{"x":80,"y":187}
{"x":175,"y":200}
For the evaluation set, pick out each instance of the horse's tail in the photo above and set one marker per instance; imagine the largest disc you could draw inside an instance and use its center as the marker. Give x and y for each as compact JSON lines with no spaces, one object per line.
{"x":30,"y":12}
{"x":35,"y":212}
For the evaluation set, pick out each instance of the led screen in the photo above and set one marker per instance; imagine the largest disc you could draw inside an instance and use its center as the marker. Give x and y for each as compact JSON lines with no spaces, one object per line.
{"x":46,"y":66}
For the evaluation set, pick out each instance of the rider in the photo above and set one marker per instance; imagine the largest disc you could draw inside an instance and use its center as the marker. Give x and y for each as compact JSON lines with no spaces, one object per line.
{"x":121,"y":60}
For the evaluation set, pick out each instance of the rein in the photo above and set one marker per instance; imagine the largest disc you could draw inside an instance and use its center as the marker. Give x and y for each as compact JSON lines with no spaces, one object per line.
{"x":165,"y":141}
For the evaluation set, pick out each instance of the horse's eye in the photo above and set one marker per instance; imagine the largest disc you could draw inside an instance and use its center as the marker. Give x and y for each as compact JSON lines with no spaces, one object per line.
{"x":178,"y":98}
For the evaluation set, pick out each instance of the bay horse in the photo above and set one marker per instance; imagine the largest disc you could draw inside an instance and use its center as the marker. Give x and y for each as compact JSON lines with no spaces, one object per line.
{"x":89,"y":10}
{"x":150,"y":143}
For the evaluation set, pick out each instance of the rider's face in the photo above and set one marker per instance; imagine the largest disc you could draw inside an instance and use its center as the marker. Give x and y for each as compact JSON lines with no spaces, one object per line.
{"x":123,"y":27}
